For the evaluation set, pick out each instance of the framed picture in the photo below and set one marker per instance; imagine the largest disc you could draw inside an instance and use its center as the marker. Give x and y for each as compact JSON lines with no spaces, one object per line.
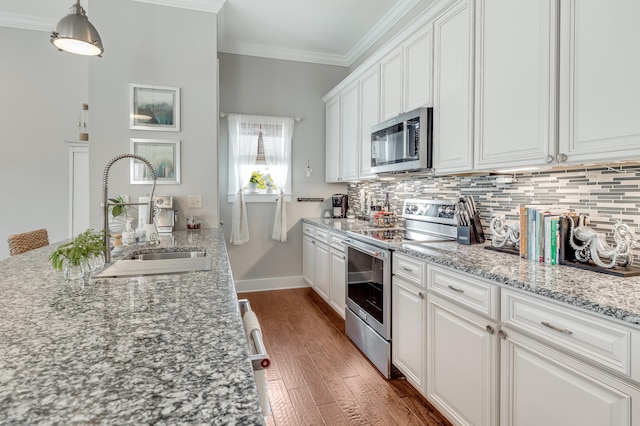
{"x":154,"y":108}
{"x":164,"y":156}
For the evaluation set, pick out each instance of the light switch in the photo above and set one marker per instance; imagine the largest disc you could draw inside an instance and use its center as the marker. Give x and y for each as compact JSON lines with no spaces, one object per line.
{"x":194,"y":201}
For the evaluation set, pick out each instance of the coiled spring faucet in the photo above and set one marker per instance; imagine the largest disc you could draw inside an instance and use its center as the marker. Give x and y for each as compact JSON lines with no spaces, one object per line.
{"x":105,"y":198}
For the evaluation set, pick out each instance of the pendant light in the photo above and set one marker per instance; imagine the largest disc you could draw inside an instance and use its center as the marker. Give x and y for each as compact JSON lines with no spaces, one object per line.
{"x":75,"y":34}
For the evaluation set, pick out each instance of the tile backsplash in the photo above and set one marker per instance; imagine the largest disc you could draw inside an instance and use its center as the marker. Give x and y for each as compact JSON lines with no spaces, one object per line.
{"x":603,"y":194}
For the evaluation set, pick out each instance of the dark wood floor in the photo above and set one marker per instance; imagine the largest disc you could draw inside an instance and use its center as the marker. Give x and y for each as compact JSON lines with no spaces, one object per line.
{"x":319,"y":377}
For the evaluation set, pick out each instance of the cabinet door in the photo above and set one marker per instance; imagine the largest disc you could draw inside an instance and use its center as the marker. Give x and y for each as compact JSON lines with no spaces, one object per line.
{"x":78,"y":189}
{"x":350,"y":129}
{"x":369,"y":117}
{"x":515,"y":83}
{"x":322,"y":273}
{"x":408,"y":330}
{"x":391,"y":84}
{"x":453,"y":90}
{"x":599,"y":84}
{"x":462,"y":359}
{"x":418,"y":61}
{"x":308,"y":259}
{"x":338,"y":281}
{"x":333,"y":165}
{"x":543,"y":387}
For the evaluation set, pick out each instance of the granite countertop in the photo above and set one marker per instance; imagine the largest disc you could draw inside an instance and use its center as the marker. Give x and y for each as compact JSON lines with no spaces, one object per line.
{"x":163,"y":349}
{"x":608,"y":295}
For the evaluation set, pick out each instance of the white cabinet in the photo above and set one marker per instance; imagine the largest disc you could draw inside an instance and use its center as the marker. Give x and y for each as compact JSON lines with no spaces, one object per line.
{"x":583,"y":363}
{"x":418,"y":69}
{"x":308,"y":259}
{"x":391,"y":84}
{"x":78,"y":187}
{"x":599,"y":84}
{"x":516,"y":49}
{"x":453,"y":89}
{"x":322,"y":273}
{"x":462,"y":348}
{"x":333,"y":149}
{"x":541,"y":386}
{"x":369,"y":117}
{"x":343,"y":135}
{"x":350,"y":132}
{"x":409,"y":319}
{"x":337,"y":293}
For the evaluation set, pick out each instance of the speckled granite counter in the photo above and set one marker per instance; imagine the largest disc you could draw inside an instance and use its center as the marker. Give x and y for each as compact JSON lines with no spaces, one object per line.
{"x":601,"y":293}
{"x":165,"y":349}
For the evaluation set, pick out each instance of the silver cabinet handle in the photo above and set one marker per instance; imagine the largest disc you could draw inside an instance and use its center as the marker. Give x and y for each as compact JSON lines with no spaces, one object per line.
{"x":502,"y":334}
{"x":553,"y":327}
{"x":260,"y":359}
{"x":421,"y":294}
{"x":407,"y":269}
{"x":562,"y":158}
{"x":489,"y":329}
{"x":459,"y":290}
{"x":548,"y":159}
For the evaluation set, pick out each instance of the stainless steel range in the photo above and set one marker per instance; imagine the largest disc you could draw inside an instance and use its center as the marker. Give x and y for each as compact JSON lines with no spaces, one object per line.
{"x":369,"y":260}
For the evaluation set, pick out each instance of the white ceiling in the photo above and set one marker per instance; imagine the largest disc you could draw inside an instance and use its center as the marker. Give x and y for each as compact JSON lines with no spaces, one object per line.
{"x":328,"y":31}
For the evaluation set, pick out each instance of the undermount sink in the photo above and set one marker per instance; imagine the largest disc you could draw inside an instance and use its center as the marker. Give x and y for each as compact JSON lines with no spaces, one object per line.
{"x":158,"y":263}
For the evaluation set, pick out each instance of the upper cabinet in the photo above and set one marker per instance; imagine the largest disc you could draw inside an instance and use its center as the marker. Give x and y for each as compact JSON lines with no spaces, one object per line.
{"x":418,"y":65}
{"x":333,"y":120}
{"x":369,"y":116}
{"x":343,"y":135}
{"x":599,"y":83}
{"x":453,"y":93}
{"x":391,"y":84}
{"x":515,"y":83}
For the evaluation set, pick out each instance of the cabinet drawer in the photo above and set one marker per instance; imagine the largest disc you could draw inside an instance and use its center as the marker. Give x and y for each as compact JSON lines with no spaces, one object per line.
{"x":595,"y":339}
{"x":474,"y":293}
{"x":337,"y":241}
{"x":409,"y":268}
{"x":308,"y":229}
{"x":323,"y":236}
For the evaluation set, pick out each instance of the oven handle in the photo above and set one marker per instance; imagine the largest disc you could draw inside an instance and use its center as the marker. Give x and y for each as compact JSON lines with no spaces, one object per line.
{"x":372,"y":253}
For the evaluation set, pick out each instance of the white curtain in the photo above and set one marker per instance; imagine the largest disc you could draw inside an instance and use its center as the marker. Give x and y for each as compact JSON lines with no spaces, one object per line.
{"x":244,"y":150}
{"x":276,"y":138}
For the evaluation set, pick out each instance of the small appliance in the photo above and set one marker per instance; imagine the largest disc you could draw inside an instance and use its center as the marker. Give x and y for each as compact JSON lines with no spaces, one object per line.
{"x":164,"y":215}
{"x":403,"y":143}
{"x":340,"y":205}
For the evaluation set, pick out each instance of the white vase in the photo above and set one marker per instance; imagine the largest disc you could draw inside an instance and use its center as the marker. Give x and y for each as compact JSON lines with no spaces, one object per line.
{"x":253,"y":187}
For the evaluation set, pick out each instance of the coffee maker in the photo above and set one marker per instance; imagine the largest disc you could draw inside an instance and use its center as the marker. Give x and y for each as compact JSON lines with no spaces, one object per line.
{"x":164,"y":215}
{"x":339,"y":205}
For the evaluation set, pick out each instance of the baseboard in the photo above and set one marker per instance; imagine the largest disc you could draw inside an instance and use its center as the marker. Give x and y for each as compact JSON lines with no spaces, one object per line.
{"x":266,"y":284}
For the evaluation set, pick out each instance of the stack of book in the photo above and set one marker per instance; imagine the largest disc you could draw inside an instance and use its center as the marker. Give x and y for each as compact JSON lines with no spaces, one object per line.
{"x":540,"y":233}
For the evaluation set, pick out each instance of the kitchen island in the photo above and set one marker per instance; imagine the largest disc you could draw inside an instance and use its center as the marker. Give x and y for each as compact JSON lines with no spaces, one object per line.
{"x":161,"y":349}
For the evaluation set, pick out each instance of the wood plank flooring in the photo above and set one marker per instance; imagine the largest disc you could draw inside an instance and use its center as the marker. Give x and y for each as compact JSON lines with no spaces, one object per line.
{"x":318,"y":376}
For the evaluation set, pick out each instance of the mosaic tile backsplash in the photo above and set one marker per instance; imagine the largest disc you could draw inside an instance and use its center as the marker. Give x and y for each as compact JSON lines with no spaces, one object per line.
{"x":604,"y":195}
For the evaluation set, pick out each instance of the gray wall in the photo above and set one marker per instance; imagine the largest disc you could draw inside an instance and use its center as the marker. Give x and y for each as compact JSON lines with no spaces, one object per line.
{"x":284,"y":88}
{"x":163,"y":46}
{"x":42,"y":92}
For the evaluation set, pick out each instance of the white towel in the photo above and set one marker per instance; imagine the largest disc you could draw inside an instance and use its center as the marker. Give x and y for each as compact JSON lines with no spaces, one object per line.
{"x":263,"y":391}
{"x":251,"y":323}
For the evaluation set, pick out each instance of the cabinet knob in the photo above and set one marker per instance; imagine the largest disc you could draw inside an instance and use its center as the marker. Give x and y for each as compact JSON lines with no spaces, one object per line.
{"x":562,"y":158}
{"x":489,"y":329}
{"x":502,"y":334}
{"x":548,"y":159}
{"x":421,"y":295}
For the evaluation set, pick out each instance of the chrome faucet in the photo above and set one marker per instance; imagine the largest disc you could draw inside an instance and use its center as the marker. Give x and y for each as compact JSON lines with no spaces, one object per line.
{"x":106,"y":204}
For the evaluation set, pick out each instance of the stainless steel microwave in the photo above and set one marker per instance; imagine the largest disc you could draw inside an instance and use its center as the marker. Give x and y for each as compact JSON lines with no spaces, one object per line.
{"x":403,"y":143}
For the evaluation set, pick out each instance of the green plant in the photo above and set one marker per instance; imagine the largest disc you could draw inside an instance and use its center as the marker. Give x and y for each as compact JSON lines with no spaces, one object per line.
{"x":119,"y":207}
{"x":256,"y":177}
{"x":88,"y":243}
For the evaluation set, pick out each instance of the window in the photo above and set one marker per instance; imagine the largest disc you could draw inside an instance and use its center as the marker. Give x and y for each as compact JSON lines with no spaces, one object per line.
{"x":259,"y":156}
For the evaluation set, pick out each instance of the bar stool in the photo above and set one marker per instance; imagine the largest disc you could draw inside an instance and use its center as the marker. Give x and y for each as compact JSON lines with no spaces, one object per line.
{"x":27,"y":241}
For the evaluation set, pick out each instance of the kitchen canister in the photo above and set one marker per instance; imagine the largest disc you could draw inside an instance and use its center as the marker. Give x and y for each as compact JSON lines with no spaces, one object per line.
{"x":83,"y":123}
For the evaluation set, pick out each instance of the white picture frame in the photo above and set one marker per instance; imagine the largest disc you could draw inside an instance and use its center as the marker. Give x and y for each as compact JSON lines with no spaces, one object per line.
{"x":164,"y":156}
{"x":154,"y":108}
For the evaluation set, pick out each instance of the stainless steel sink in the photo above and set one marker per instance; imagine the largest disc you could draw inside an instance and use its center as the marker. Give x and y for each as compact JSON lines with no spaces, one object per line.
{"x":158,"y":263}
{"x":169,"y":255}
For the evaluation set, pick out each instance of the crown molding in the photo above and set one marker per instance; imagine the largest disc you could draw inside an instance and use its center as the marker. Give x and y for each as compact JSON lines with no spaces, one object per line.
{"x":284,"y":54}
{"x":212,"y":6}
{"x":26,"y":22}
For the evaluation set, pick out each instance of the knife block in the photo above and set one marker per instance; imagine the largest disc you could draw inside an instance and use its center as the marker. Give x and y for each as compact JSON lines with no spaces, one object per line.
{"x":473,"y":234}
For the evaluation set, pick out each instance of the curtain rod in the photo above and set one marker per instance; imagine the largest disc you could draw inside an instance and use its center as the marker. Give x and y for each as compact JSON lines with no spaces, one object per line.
{"x":225,"y":114}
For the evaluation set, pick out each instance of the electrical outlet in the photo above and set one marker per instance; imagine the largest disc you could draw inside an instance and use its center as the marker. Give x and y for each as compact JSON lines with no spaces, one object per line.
{"x":194,"y":201}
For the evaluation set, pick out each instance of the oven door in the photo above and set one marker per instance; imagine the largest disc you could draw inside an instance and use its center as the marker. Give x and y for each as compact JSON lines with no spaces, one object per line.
{"x":369,"y":285}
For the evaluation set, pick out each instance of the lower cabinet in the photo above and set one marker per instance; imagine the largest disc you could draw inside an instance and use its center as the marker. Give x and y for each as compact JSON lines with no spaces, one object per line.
{"x":338,"y":281}
{"x":542,"y":386}
{"x":322,"y":275}
{"x":409,"y":320}
{"x":308,"y":259}
{"x":462,"y":366}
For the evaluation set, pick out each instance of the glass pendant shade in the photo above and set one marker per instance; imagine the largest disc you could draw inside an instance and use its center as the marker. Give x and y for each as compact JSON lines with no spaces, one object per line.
{"x":75,"y":34}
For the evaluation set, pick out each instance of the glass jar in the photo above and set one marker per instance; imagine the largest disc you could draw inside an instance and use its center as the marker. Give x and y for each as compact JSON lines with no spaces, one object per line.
{"x":72,"y":271}
{"x":83,"y":123}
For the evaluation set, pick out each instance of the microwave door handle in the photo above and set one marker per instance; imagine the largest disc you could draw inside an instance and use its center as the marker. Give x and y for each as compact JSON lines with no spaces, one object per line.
{"x":405,"y":140}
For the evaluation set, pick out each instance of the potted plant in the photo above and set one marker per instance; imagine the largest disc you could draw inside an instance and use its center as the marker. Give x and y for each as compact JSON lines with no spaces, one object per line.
{"x":84,"y":253}
{"x":119,"y":214}
{"x":254,"y":181}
